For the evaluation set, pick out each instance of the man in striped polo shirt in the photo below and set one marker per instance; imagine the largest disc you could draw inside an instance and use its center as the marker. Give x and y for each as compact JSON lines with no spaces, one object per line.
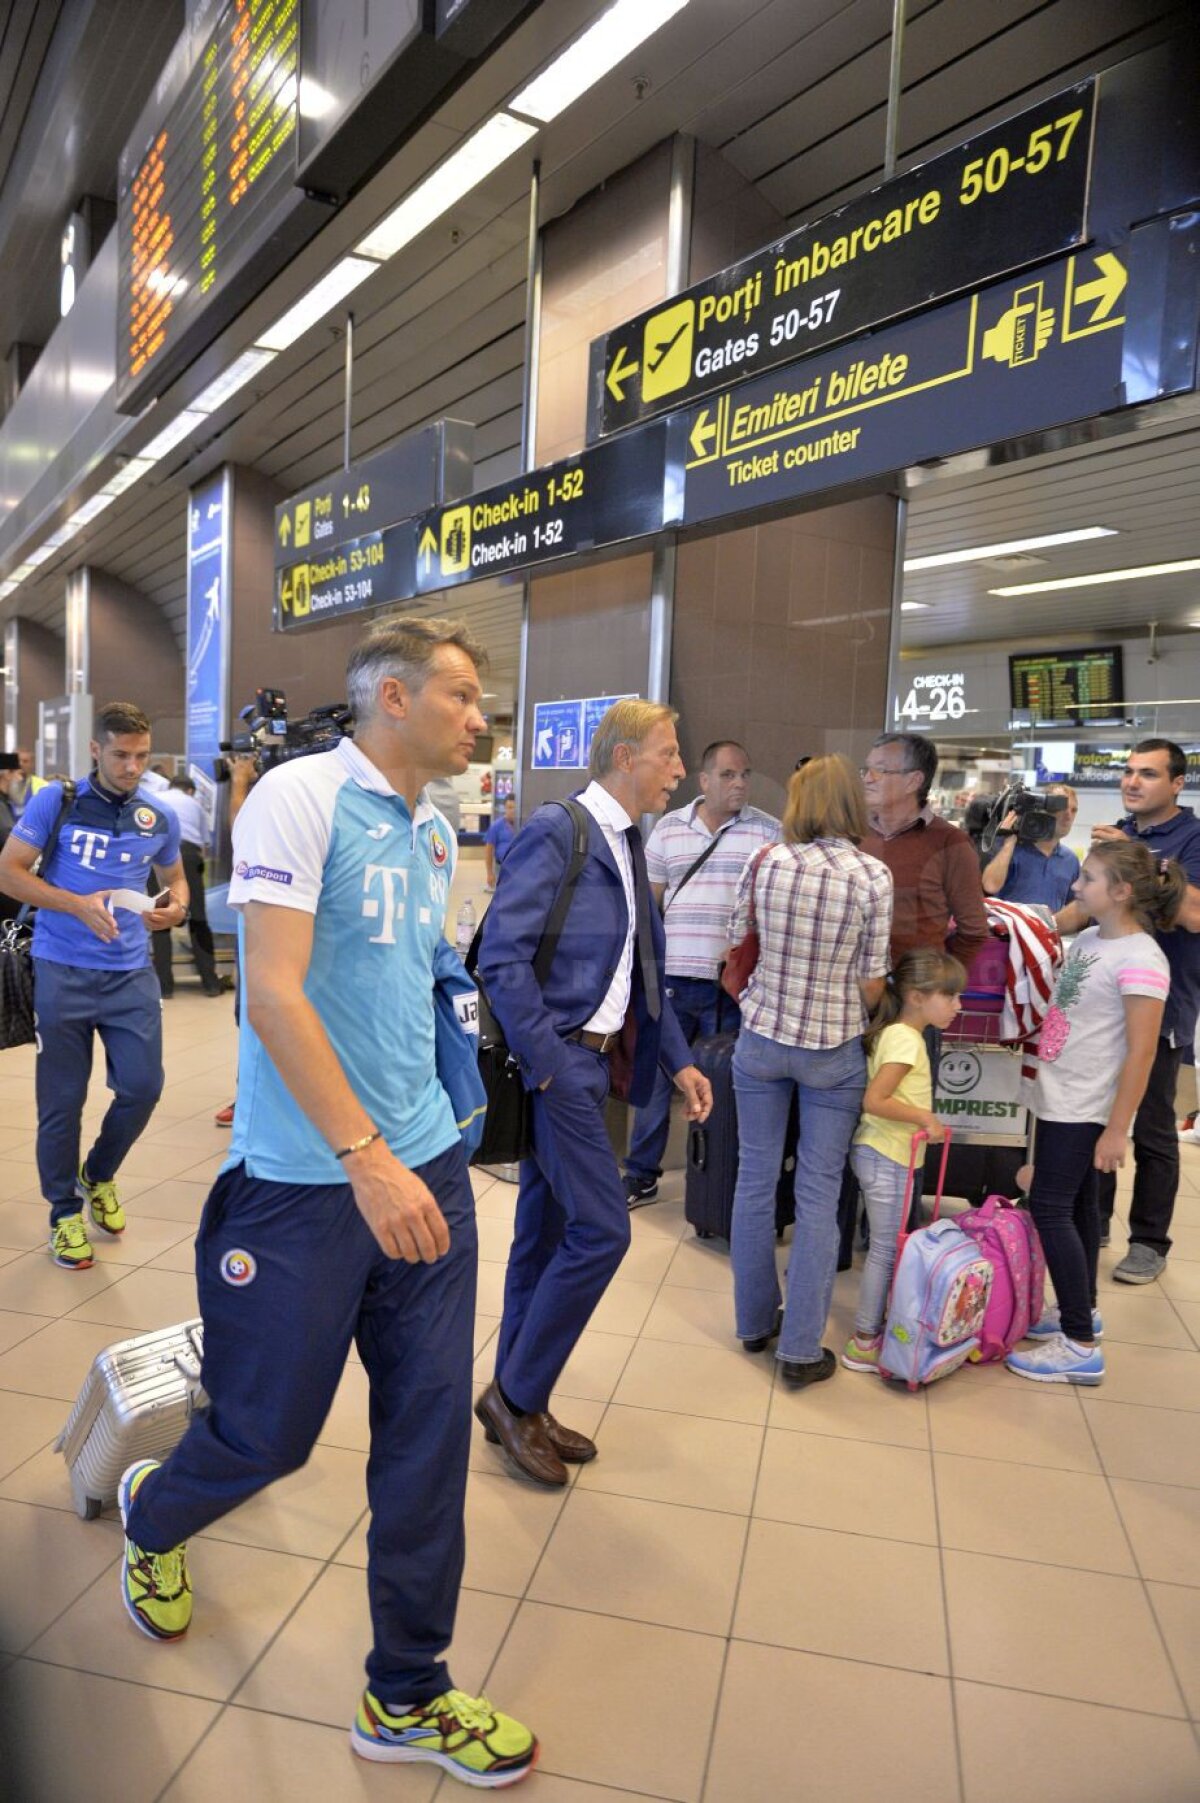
{"x":694,"y":857}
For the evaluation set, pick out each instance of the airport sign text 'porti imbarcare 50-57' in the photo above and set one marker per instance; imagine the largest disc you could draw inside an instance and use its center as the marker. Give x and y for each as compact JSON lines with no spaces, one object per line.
{"x":1010,"y":197}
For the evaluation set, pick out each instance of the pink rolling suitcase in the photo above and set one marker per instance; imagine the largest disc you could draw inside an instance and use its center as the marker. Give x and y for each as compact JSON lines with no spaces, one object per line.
{"x":940,"y":1290}
{"x":135,"y":1403}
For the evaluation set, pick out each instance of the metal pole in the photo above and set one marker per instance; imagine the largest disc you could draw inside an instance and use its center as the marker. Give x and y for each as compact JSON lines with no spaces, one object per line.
{"x":346,"y":404}
{"x":533,"y":312}
{"x":893,"y":108}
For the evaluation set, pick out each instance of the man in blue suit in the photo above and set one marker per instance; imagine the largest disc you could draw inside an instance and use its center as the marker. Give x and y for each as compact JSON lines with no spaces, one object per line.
{"x":602,"y":1020}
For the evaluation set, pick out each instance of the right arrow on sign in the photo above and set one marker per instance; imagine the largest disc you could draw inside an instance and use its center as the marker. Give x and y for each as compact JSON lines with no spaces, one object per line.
{"x":1106,"y":290}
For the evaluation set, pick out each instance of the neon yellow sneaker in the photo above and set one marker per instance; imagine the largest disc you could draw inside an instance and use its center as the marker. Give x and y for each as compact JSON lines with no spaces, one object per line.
{"x":862,"y":1353}
{"x":155,"y":1587}
{"x":69,"y":1244}
{"x":101,"y":1198}
{"x":462,"y":1734}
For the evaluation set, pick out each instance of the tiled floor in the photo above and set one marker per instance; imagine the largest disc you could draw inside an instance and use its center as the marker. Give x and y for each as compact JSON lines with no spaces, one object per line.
{"x":989,"y":1591}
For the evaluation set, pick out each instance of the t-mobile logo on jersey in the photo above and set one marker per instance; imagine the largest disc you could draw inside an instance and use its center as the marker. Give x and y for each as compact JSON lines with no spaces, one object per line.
{"x":392,"y":909}
{"x":88,"y":846}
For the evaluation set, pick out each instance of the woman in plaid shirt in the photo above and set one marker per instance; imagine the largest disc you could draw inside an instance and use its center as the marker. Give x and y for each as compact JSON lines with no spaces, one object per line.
{"x":823,"y":910}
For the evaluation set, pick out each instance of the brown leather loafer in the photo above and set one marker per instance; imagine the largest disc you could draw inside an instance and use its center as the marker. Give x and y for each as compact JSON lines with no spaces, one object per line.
{"x":572,"y":1448}
{"x":523,"y":1437}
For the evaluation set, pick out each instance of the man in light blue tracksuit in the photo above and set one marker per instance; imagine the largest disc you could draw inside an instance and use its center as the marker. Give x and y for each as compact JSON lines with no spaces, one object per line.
{"x":344,"y":1213}
{"x":92,"y":970}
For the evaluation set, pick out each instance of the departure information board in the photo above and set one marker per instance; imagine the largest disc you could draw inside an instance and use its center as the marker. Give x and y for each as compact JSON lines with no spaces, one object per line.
{"x":202,"y":190}
{"x":1076,"y":686}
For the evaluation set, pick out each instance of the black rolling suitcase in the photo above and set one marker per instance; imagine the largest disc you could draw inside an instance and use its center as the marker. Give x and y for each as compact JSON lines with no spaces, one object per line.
{"x":712,"y":1150}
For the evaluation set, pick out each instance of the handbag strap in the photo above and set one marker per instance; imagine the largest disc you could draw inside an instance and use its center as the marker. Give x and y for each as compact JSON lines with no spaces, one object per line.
{"x":758,"y":858}
{"x":692,"y":868}
{"x":51,"y":846}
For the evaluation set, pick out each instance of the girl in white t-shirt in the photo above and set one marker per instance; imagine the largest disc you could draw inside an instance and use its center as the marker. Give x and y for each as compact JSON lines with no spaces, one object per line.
{"x":921,"y":992}
{"x":1098,"y":1042}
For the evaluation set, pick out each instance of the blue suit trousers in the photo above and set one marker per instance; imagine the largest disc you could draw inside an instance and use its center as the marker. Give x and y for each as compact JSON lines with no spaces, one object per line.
{"x":571,"y":1233}
{"x":289,"y":1275}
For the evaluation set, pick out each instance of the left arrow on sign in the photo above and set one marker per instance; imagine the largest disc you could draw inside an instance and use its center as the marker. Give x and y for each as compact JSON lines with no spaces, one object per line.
{"x":619,"y":374}
{"x":703,"y":430}
{"x":427,"y":549}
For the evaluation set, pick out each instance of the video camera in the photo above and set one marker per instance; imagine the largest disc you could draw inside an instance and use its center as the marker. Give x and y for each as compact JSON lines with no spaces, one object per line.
{"x":1037,"y":816}
{"x":270,"y":738}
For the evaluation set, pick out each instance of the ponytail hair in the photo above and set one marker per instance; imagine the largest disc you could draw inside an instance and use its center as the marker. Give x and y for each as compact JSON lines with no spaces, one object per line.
{"x":926,"y":969}
{"x":1158,"y":888}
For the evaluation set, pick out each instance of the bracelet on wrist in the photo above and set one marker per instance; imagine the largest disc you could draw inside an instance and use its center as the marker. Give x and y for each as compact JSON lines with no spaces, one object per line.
{"x":359,"y":1145}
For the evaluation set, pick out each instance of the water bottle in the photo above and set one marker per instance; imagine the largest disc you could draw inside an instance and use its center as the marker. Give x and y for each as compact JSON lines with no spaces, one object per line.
{"x":464,"y":930}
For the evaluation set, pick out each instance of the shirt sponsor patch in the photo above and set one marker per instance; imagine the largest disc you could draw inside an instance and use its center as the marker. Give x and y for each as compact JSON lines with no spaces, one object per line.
{"x":250,"y":871}
{"x":439,"y":851}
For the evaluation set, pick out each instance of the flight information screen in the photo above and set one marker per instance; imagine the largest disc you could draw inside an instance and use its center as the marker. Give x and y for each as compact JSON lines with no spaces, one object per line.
{"x":1080,"y":687}
{"x":204,"y":185}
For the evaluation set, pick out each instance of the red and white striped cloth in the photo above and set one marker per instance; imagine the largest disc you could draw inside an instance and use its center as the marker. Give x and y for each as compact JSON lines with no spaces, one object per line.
{"x":1035,"y":955}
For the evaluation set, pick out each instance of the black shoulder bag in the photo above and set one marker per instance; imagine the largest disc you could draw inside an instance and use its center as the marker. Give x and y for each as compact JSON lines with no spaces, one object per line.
{"x":16,"y":954}
{"x":507,"y":1127}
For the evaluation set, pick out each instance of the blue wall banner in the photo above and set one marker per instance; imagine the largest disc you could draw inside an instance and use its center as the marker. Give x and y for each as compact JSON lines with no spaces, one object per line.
{"x":209,"y":528}
{"x":558,"y":735}
{"x":594,"y":710}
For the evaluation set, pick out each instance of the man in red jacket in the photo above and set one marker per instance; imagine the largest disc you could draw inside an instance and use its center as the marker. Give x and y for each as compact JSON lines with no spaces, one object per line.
{"x":934,"y":866}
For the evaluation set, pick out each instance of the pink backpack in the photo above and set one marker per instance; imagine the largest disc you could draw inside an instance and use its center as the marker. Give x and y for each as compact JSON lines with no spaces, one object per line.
{"x":1006,"y":1236}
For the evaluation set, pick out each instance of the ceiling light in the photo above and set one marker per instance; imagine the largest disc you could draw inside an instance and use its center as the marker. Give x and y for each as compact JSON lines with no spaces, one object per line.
{"x":914,"y":607}
{"x":6,"y":588}
{"x":605,"y":44}
{"x":20,"y":573}
{"x":243,"y":369}
{"x":1102,"y":576}
{"x":88,"y":511}
{"x":39,"y":556}
{"x":180,"y":427}
{"x":316,"y":102}
{"x":321,"y":298}
{"x":978,"y":552}
{"x":475,"y":159}
{"x":125,"y":478}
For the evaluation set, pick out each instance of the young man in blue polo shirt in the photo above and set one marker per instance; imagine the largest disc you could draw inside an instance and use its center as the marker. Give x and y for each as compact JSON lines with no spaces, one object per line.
{"x":344,"y":1213}
{"x":92,"y":969}
{"x":1154,"y":775}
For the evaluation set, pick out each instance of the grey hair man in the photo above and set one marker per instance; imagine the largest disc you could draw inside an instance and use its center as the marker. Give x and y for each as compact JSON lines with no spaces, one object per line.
{"x":344,"y":1213}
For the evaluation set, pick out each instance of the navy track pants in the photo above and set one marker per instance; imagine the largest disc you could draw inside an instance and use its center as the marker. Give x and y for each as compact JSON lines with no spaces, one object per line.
{"x":289,"y":1275}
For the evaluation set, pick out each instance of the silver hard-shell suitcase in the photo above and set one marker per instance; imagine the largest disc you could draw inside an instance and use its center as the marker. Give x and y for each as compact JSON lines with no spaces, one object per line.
{"x":135,"y":1403}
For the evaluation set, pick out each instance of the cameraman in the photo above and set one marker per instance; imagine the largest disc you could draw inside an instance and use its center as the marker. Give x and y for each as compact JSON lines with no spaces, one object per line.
{"x":1043,"y":871}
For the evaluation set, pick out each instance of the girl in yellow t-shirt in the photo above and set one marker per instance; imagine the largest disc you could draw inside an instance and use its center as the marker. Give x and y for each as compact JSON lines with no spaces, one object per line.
{"x":921,"y":992}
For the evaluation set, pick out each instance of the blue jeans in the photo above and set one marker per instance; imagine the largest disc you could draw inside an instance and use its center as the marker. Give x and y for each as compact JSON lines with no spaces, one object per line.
{"x":883,"y":1183}
{"x":702,"y":1008}
{"x":831,"y":1085}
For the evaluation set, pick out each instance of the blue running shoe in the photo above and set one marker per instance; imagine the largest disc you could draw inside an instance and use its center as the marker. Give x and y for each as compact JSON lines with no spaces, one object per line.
{"x":1051,"y":1323}
{"x":1059,"y":1361}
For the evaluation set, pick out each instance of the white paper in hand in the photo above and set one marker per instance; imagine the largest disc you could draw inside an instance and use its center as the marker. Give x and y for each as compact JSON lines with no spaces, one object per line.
{"x":136,"y":900}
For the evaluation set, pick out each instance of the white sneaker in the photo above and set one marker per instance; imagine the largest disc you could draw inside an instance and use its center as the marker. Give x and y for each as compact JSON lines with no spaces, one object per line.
{"x":1051,"y":1323}
{"x":1058,"y":1361}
